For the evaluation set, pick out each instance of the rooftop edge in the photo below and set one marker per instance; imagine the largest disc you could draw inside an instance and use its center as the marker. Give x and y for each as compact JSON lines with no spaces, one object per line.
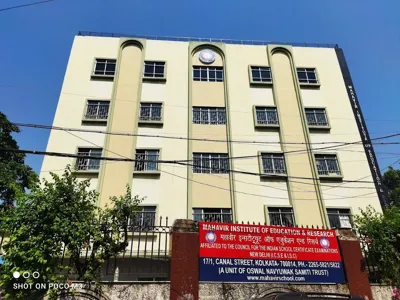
{"x":194,"y":39}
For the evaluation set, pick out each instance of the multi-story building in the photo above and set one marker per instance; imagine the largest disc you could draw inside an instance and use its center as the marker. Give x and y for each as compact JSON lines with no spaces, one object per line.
{"x":263,"y":132}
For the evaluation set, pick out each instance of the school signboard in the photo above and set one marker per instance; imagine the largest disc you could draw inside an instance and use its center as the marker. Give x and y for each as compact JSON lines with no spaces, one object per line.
{"x":253,"y":253}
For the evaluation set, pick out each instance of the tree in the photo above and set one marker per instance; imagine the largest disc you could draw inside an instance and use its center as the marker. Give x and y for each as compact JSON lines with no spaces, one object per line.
{"x":383,"y":232}
{"x":15,"y":176}
{"x":62,"y":216}
{"x":391,"y":179}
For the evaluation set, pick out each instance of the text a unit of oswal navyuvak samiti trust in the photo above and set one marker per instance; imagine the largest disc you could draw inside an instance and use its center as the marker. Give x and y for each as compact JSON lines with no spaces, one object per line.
{"x":254,"y":253}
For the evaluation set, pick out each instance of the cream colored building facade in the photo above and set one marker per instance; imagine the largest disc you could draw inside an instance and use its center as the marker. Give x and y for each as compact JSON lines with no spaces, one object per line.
{"x":260,"y":130}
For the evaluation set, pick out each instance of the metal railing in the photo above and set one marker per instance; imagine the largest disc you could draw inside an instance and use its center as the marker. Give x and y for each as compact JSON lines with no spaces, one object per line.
{"x":147,"y":254}
{"x":328,"y":165}
{"x":97,"y":110}
{"x":146,"y":161}
{"x":273,"y":164}
{"x":214,"y":40}
{"x":213,"y":217}
{"x":340,"y":220}
{"x":267,"y":116}
{"x":88,"y":164}
{"x":316,"y":118}
{"x":209,"y":115}
{"x":371,"y":259}
{"x":281,"y":219}
{"x":150,"y":112}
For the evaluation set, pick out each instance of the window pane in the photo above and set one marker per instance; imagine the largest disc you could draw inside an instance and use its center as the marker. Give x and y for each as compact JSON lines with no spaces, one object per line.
{"x":311,"y":75}
{"x":221,"y":116}
{"x":213,"y":116}
{"x":212,"y":75}
{"x":152,"y":156}
{"x":196,"y":74}
{"x":159,"y":71}
{"x":145,"y":112}
{"x":204,"y":116}
{"x":220,"y":75}
{"x":148,"y":70}
{"x":255,"y":75}
{"x":110,"y":67}
{"x":197,"y":164}
{"x":215,"y":168}
{"x":203,"y":74}
{"x":205,"y":164}
{"x":302,"y":75}
{"x":265,"y":75}
{"x":261,"y":117}
{"x":196,"y":116}
{"x":100,"y":68}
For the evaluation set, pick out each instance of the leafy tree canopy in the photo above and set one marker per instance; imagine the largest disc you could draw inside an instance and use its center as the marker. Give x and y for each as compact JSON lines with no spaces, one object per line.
{"x":391,"y":179}
{"x":383,"y":230}
{"x":62,"y":216}
{"x":15,"y":176}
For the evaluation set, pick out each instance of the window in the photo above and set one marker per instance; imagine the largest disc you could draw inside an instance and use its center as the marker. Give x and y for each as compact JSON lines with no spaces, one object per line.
{"x":154,"y":69}
{"x":146,"y":217}
{"x":97,"y":110}
{"x":147,"y":160}
{"x":210,"y":163}
{"x":327,"y":165}
{"x":212,"y":215}
{"x":266,"y":116}
{"x":273,"y":163}
{"x":307,"y":75}
{"x":339,"y":218}
{"x":281,"y":216}
{"x":260,"y":74}
{"x":86,"y":163}
{"x":316,"y":117}
{"x":203,"y":73}
{"x":209,"y":115}
{"x":104,"y":67}
{"x":150,"y":112}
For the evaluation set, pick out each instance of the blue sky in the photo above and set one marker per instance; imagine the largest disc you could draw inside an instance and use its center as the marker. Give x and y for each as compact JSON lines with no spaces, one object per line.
{"x":35,"y":43}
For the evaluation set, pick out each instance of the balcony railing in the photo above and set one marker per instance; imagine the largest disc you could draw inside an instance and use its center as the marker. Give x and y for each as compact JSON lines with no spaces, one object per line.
{"x":328,"y":166}
{"x":97,"y":111}
{"x":316,"y":118}
{"x":88,"y":164}
{"x":146,"y":162}
{"x":281,"y":219}
{"x":267,"y":117}
{"x":273,"y":165}
{"x":213,"y":217}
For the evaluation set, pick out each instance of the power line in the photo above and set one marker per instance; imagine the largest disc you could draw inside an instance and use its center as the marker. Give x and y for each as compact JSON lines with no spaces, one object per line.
{"x":359,"y":196}
{"x":24,"y":5}
{"x":50,"y":127}
{"x":179,"y":162}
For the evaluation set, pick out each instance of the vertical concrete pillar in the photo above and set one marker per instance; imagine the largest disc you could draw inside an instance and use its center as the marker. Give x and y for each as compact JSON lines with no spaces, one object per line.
{"x":353,"y":261}
{"x":122,"y":118}
{"x":308,"y":207}
{"x":184,"y":270}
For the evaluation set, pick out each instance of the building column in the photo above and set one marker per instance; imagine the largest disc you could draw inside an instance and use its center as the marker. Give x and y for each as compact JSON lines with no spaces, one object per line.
{"x":184,"y":269}
{"x":354,"y":265}
{"x":123,"y":117}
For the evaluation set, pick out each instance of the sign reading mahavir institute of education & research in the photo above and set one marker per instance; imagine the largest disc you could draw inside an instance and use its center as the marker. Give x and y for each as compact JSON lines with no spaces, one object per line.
{"x":253,"y":253}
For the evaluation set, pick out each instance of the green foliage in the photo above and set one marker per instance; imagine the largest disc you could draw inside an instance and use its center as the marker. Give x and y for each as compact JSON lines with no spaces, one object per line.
{"x":15,"y":176}
{"x":391,"y":179}
{"x":63,"y":215}
{"x":384,"y":232}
